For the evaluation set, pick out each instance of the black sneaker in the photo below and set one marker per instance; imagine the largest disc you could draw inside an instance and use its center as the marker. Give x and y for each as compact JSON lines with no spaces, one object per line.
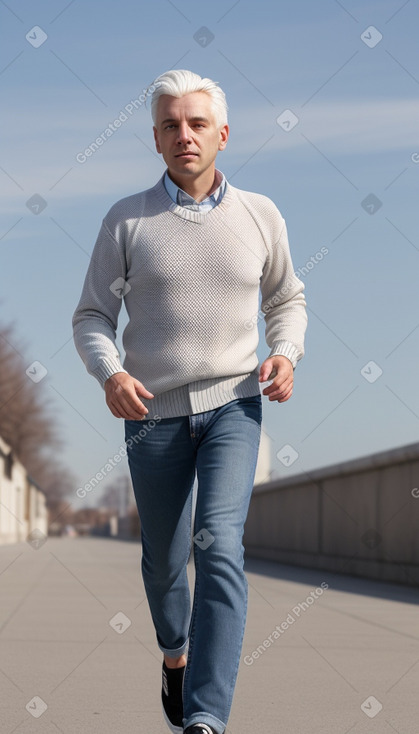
{"x":171,"y":696}
{"x":199,"y":729}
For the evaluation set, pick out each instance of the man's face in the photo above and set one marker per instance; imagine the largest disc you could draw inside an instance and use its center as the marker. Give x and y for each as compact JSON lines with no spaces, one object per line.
{"x":186,"y":133}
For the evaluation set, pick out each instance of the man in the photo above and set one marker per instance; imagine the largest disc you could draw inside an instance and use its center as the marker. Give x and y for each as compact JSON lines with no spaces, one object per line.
{"x":189,"y":256}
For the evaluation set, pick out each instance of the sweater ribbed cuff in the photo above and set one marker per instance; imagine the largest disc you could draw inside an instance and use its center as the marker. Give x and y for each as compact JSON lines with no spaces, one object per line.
{"x":285,"y":349}
{"x":107,"y":367}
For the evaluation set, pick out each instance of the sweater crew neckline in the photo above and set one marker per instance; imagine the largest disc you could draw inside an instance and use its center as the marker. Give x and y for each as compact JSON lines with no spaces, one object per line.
{"x":188,"y":214}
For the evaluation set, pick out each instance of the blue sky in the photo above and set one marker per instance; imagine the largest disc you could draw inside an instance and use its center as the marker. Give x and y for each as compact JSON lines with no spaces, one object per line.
{"x":354,"y":92}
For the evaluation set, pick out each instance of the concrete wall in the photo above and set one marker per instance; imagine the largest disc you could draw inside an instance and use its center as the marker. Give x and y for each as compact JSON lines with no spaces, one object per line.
{"x":359,"y":517}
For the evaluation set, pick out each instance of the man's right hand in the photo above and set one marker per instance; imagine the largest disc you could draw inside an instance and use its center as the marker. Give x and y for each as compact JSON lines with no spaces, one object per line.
{"x":122,"y":392}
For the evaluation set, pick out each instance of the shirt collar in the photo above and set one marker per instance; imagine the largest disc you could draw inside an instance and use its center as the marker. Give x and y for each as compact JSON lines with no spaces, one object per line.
{"x":180,"y":197}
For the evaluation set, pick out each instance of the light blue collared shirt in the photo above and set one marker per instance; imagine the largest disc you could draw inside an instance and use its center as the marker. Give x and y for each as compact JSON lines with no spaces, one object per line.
{"x":181,"y":198}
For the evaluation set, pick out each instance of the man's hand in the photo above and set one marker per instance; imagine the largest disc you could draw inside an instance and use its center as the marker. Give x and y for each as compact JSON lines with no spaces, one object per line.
{"x":279,"y":369}
{"x":121,"y":396}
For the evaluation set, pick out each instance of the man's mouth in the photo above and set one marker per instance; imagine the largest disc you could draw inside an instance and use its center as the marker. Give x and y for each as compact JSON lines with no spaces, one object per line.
{"x":186,"y":154}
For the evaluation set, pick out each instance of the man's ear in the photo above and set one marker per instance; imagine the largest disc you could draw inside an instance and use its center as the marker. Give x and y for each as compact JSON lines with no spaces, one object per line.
{"x":156,"y":139}
{"x":224,"y":133}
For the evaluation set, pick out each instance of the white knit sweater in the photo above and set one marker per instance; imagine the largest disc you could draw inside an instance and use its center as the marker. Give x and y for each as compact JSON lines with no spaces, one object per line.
{"x":190,"y":283}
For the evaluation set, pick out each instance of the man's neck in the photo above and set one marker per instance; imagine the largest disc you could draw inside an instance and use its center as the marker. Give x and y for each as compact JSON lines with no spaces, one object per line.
{"x":200,"y":187}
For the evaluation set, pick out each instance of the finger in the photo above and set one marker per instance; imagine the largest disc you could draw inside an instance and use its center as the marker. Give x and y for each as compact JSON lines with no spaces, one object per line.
{"x":123,"y":409}
{"x":113,"y":410}
{"x":144,"y":392}
{"x":128,"y":404}
{"x":281,"y":392}
{"x":283,"y":398}
{"x":127,"y":416}
{"x":275,"y":387}
{"x":134,"y":413}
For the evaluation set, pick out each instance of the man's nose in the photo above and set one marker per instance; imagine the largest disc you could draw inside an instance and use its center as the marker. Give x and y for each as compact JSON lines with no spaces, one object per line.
{"x":183,"y":135}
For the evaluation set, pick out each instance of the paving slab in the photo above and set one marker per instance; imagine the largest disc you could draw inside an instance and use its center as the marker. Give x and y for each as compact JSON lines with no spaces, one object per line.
{"x":323,"y":653}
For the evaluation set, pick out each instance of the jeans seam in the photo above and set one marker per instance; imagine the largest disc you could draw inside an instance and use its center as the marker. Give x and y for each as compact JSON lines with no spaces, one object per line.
{"x":193,"y":620}
{"x":234,"y":678}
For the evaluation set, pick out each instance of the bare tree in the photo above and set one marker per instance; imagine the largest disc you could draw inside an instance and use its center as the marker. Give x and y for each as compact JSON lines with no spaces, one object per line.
{"x":27,"y":419}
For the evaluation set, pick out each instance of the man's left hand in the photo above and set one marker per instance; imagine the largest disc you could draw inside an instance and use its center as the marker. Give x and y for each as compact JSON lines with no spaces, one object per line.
{"x":279,"y":369}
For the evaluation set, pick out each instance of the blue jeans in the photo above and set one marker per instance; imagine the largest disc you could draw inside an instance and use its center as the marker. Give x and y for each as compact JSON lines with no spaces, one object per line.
{"x":221,"y":446}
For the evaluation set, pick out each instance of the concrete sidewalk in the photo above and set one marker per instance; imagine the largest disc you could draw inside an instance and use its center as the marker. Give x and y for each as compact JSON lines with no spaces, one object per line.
{"x":79,"y":656}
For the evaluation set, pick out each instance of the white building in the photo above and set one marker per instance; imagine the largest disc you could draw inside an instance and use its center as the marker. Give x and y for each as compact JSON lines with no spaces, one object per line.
{"x":23,"y":510}
{"x":263,"y":467}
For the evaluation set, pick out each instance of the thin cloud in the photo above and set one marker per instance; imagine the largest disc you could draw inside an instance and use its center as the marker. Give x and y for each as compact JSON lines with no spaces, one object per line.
{"x":123,"y":164}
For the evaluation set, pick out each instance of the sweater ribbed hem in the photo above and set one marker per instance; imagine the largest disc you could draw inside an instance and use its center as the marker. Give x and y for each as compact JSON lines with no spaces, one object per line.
{"x":202,"y":395}
{"x":107,"y":367}
{"x":286,"y":349}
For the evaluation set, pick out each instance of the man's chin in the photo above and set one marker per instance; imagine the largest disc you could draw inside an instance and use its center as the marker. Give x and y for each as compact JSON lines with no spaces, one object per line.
{"x":186,"y":167}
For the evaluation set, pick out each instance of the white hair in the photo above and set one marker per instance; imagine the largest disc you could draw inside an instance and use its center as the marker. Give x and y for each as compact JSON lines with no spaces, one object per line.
{"x":178,"y":82}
